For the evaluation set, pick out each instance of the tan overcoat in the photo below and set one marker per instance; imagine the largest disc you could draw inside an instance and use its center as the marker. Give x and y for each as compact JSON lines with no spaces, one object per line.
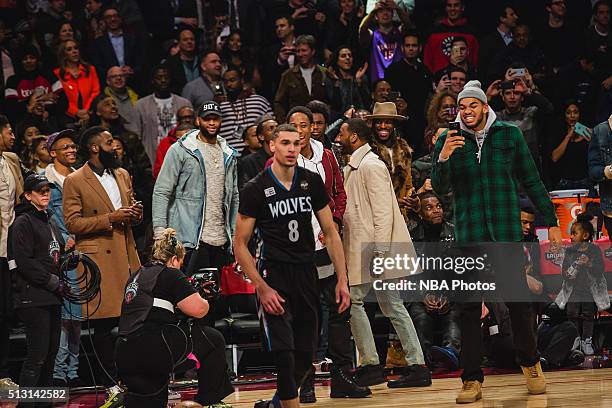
{"x":372,"y":220}
{"x":112,"y":247}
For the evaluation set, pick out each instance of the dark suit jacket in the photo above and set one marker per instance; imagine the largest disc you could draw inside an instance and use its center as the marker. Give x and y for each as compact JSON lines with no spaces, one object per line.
{"x":103,"y":55}
{"x":292,"y":90}
{"x":492,"y":45}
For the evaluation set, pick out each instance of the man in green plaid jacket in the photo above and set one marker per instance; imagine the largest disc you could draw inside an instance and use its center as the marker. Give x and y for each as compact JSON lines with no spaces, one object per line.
{"x":483,"y":166}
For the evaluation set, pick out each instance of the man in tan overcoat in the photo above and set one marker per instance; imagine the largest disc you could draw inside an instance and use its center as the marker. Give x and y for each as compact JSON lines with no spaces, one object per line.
{"x":375,"y":231}
{"x":99,"y":209}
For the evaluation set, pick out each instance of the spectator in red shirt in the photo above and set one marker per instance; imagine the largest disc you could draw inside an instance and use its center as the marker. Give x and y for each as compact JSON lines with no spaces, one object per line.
{"x":185,"y":121}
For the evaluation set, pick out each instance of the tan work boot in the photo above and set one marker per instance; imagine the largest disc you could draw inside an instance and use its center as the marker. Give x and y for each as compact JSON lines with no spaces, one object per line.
{"x":396,"y":356}
{"x":471,"y":392}
{"x":536,"y":383}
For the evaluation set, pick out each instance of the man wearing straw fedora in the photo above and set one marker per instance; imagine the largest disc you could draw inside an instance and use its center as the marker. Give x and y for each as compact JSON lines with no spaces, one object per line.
{"x":396,"y":154}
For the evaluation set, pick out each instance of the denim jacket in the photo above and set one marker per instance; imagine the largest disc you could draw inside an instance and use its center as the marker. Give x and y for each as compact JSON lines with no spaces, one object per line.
{"x":70,"y":311}
{"x":600,"y":155}
{"x":179,"y":196}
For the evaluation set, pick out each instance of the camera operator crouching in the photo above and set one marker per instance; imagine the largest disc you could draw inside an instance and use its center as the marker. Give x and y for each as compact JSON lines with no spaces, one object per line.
{"x":152,"y":341}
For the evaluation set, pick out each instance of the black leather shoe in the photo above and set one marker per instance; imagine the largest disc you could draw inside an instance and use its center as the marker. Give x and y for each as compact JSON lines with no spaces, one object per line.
{"x":369,"y":375}
{"x":343,"y":386}
{"x":413,"y":376}
{"x":307,"y":390}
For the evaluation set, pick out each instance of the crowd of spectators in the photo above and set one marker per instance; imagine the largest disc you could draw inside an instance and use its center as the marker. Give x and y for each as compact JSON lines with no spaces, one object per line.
{"x":142,"y":69}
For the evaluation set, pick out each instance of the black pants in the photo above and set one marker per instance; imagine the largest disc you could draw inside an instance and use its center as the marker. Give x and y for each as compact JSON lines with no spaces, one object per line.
{"x":426,"y":323}
{"x":339,"y":347}
{"x":104,"y":344}
{"x":208,"y":256}
{"x":582,"y":315}
{"x":43,"y":328}
{"x":5,"y":312}
{"x":508,"y":275}
{"x":555,"y":342}
{"x":144,"y":364}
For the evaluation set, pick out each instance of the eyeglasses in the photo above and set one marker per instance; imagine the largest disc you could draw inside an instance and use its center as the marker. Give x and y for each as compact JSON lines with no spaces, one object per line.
{"x":66,"y":147}
{"x":186,"y":117}
{"x":116,"y":76}
{"x":44,"y":191}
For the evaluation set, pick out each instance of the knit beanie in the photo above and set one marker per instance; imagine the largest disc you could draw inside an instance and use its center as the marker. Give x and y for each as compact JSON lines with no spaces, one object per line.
{"x":472,"y":90}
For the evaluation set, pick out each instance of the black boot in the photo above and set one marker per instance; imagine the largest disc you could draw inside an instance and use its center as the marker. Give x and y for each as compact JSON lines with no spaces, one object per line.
{"x":307,"y":390}
{"x":342,"y":386}
{"x":369,"y":375}
{"x":413,"y":376}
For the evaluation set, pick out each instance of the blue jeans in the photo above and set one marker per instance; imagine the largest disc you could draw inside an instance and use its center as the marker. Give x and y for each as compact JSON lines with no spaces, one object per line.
{"x":67,"y":359}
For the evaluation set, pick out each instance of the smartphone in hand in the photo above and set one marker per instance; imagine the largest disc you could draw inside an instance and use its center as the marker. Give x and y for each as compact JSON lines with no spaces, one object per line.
{"x":454,"y":126}
{"x":582,"y":130}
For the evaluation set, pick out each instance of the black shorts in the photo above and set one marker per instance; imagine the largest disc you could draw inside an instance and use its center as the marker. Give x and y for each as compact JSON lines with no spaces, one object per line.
{"x":296,"y":329}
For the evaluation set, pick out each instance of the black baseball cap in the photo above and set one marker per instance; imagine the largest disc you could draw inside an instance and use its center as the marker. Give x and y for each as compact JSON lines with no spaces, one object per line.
{"x":35,"y":182}
{"x":209,"y":108}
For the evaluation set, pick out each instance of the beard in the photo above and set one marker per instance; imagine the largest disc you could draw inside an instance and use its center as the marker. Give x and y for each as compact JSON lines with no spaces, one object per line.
{"x":207,"y":135}
{"x":109,"y":160}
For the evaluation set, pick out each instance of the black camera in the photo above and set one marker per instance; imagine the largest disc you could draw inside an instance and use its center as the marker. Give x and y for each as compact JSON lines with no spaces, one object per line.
{"x":205,"y":283}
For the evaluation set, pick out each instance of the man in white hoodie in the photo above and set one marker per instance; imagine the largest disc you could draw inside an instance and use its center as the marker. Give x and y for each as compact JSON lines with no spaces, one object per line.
{"x":314,"y":157}
{"x":63,"y":151}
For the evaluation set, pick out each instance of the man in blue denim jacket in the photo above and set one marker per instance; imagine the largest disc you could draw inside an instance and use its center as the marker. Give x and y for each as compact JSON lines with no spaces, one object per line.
{"x":63,"y":151}
{"x":600,"y":167}
{"x":196,"y":192}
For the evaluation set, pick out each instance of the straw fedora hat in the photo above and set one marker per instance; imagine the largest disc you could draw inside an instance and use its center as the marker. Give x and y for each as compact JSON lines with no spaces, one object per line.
{"x":385,"y":110}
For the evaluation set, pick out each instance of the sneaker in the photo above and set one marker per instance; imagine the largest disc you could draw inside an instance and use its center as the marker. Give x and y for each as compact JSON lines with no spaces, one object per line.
{"x":576,"y":357}
{"x":447,"y":356}
{"x":586,"y":346}
{"x":218,"y":405}
{"x":307,"y":390}
{"x":536,"y":383}
{"x":396,"y":356}
{"x":343,"y":386}
{"x":115,"y":397}
{"x":7,"y":383}
{"x":113,"y":391}
{"x":173,"y":395}
{"x":368,"y":375}
{"x":413,"y":376}
{"x":470,"y":392}
{"x":576,"y":345}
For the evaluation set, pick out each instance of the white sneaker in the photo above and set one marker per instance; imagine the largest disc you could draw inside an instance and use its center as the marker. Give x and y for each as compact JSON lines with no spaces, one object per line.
{"x":112,"y":391}
{"x":577,"y":344}
{"x":173,"y":395}
{"x":587,"y":346}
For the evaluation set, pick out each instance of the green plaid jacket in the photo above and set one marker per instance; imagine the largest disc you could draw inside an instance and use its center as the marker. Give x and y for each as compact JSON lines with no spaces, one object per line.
{"x":486,"y":204}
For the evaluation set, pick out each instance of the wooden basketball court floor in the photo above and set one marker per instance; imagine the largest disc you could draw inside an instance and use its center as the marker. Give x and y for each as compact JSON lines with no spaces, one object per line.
{"x":575,"y":388}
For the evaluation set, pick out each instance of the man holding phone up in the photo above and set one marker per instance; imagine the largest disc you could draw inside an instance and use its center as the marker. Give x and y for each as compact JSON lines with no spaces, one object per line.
{"x":481,"y":164}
